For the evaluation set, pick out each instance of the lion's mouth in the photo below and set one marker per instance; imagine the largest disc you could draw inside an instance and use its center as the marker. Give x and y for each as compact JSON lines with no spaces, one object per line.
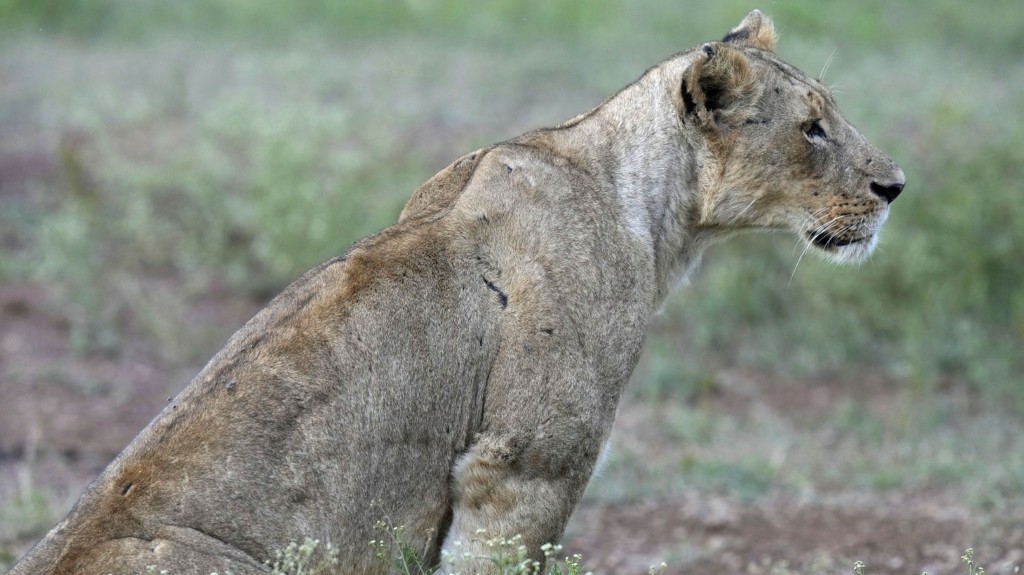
{"x":826,"y":241}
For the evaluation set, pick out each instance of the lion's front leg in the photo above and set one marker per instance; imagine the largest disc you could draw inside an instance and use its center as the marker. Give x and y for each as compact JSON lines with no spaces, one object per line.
{"x":510,"y":485}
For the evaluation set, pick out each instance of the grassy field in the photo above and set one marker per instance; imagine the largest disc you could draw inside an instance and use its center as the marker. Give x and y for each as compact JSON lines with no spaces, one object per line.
{"x":165,"y":168}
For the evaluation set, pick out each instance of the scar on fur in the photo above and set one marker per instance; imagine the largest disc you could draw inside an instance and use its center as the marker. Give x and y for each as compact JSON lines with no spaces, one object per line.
{"x":502,"y":297}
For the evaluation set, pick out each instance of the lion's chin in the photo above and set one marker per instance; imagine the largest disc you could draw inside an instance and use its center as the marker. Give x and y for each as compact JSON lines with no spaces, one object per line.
{"x":853,"y":245}
{"x":844,"y":250}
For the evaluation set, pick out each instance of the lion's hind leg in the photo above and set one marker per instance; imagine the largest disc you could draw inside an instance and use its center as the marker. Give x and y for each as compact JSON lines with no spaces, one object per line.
{"x":175,"y":550}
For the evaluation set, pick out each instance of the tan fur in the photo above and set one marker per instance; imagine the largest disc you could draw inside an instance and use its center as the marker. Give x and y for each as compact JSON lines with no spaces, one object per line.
{"x":461,"y":369}
{"x":755,"y":31}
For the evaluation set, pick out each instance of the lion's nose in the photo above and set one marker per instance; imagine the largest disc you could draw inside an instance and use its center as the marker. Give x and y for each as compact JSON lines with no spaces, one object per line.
{"x":887,"y":192}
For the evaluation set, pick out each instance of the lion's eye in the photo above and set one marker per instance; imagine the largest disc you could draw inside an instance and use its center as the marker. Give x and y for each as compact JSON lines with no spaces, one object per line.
{"x":813,"y":129}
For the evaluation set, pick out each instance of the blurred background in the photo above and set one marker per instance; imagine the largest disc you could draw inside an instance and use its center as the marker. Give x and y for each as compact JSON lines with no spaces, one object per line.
{"x":167,"y":167}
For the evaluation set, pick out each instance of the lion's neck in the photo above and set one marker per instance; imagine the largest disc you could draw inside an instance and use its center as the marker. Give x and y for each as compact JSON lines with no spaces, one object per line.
{"x":651,"y":165}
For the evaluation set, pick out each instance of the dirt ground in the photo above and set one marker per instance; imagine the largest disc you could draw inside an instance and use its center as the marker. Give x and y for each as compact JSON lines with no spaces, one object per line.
{"x":64,"y":416}
{"x":705,"y":535}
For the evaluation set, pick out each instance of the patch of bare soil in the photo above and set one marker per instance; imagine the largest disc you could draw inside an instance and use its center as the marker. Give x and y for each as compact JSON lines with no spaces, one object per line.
{"x":712,"y":535}
{"x":56,"y":401}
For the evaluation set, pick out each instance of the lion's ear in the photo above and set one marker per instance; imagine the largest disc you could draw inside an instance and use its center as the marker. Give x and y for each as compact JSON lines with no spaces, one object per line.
{"x":755,"y":31}
{"x":718,"y":85}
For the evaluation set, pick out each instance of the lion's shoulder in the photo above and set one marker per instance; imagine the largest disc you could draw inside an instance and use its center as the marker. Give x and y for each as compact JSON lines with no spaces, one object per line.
{"x":444,"y":188}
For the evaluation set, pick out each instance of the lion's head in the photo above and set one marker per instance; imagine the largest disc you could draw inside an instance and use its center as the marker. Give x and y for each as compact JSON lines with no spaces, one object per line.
{"x":781,"y":156}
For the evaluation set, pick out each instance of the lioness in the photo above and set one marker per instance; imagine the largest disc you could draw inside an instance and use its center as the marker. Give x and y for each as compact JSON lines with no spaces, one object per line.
{"x":461,"y":369}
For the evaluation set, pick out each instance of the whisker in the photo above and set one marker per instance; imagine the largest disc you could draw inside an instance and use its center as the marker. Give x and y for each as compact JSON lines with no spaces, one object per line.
{"x":808,"y":225}
{"x":813,"y":216}
{"x":828,"y":62}
{"x":828,"y":226}
{"x":737,"y":217}
{"x":798,"y":260}
{"x":836,"y":225}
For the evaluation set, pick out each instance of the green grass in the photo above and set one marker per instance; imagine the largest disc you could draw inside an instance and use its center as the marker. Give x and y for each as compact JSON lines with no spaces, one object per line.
{"x":906,"y":443}
{"x":27,"y":512}
{"x":505,"y":555}
{"x":282,"y":132}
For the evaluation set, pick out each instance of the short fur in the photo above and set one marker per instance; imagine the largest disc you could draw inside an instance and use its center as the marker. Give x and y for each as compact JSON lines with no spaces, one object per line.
{"x":461,"y":369}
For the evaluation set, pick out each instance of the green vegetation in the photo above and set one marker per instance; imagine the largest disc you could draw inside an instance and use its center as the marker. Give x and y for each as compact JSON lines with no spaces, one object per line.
{"x":307,"y":558}
{"x":508,"y":556}
{"x":972,"y":568}
{"x":27,"y":513}
{"x":674,"y":450}
{"x":232,"y":160}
